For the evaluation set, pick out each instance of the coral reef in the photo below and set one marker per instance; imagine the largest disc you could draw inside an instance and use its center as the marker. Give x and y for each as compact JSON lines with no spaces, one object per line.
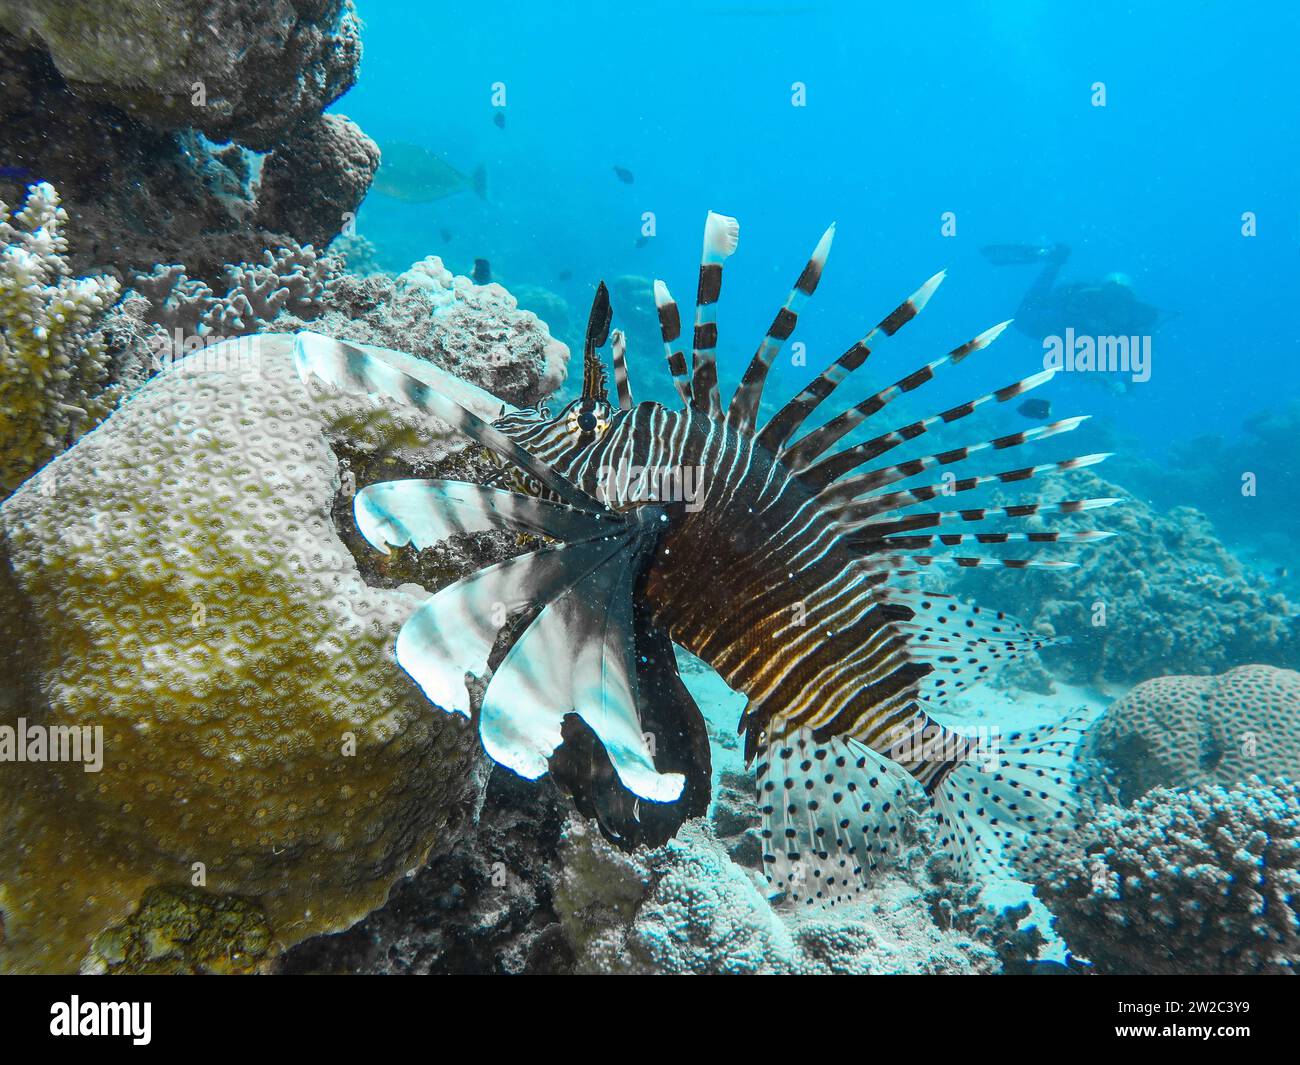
{"x":474,"y":331}
{"x":180,"y":931}
{"x":484,"y":908}
{"x":136,"y":111}
{"x":687,"y":908}
{"x":313,"y":183}
{"x":65,"y":361}
{"x":292,"y":280}
{"x":1179,"y":731}
{"x":176,"y":580}
{"x":1199,"y":881}
{"x":1165,"y":597}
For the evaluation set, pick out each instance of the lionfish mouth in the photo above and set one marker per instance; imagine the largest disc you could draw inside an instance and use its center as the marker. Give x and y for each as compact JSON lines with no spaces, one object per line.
{"x":791,"y":574}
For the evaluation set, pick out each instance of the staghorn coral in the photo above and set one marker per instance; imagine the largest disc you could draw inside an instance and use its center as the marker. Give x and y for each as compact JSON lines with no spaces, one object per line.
{"x":56,"y":363}
{"x":1199,"y":881}
{"x":292,"y":280}
{"x":1179,"y":731}
{"x":473,"y":331}
{"x":1174,"y":599}
{"x":176,"y":578}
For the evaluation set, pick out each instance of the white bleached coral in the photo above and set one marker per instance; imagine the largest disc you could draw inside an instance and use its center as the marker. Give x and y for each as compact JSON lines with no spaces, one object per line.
{"x":54,"y":367}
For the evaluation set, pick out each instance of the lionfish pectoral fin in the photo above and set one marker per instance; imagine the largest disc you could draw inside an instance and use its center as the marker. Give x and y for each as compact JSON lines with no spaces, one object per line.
{"x":535,"y":688}
{"x":351,"y":368}
{"x":422,"y":513}
{"x":453,"y":632}
{"x":832,"y":811}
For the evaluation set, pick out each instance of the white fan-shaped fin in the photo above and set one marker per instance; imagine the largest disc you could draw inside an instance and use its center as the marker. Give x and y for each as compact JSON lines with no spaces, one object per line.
{"x":425,"y":512}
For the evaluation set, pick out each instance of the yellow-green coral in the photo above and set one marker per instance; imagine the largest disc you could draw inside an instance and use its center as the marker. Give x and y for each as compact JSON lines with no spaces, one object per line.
{"x":180,"y":930}
{"x":53,"y":370}
{"x":177,"y":578}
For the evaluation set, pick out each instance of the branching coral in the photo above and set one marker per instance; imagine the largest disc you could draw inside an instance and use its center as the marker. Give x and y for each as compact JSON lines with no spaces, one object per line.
{"x":54,"y":379}
{"x":1179,"y":731}
{"x":292,"y":280}
{"x":1198,"y":881}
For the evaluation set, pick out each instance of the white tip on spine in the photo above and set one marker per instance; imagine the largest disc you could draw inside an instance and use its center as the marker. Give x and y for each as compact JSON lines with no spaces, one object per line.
{"x":662,"y":296}
{"x":721,"y":235}
{"x":922,"y":295}
{"x":823,"y":249}
{"x":989,"y":335}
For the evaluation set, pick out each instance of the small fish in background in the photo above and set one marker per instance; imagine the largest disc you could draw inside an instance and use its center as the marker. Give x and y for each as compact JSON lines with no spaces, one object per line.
{"x":499,"y":120}
{"x":642,"y":241}
{"x":565,"y":275}
{"x":624,"y":175}
{"x":1038,"y":409}
{"x":446,"y":235}
{"x":414,"y":174}
{"x":482,"y":273}
{"x":15,"y":173}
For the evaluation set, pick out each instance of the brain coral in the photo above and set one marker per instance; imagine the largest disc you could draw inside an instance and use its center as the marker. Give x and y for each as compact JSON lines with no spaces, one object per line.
{"x":1170,"y":598}
{"x":177,"y":579}
{"x":54,"y":366}
{"x":1199,"y":881}
{"x":1179,"y":731}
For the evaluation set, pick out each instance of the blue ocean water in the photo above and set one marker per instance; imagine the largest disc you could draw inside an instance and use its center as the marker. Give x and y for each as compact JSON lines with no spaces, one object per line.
{"x":986,"y":110}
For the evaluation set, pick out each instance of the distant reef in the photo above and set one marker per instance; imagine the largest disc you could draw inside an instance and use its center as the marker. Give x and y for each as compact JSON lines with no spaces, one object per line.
{"x":171,"y":144}
{"x":1164,"y":596}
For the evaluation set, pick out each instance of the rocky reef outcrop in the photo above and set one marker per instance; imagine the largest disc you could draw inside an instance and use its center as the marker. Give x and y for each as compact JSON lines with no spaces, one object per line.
{"x":1203,"y":880}
{"x":150,"y":125}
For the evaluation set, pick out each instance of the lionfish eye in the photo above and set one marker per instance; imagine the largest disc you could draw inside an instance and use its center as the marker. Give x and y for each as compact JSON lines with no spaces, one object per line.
{"x":587,"y":421}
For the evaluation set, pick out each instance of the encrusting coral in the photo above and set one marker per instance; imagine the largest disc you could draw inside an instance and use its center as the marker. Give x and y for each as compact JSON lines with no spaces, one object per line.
{"x":1181,"y":731}
{"x":56,"y":378}
{"x":176,"y":578}
{"x":1205,"y":880}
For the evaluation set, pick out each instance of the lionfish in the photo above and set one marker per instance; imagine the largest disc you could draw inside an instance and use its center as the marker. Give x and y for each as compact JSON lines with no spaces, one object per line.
{"x":786,"y":575}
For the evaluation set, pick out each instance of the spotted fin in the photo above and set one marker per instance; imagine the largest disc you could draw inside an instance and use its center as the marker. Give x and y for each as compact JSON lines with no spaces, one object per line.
{"x":831,"y":812}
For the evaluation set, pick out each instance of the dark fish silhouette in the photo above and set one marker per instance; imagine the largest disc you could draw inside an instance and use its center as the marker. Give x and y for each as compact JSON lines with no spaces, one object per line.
{"x":499,"y":120}
{"x":624,"y":175}
{"x":642,"y":241}
{"x":565,"y":275}
{"x":15,"y":173}
{"x":1038,"y":409}
{"x":445,"y":233}
{"x":482,"y":274}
